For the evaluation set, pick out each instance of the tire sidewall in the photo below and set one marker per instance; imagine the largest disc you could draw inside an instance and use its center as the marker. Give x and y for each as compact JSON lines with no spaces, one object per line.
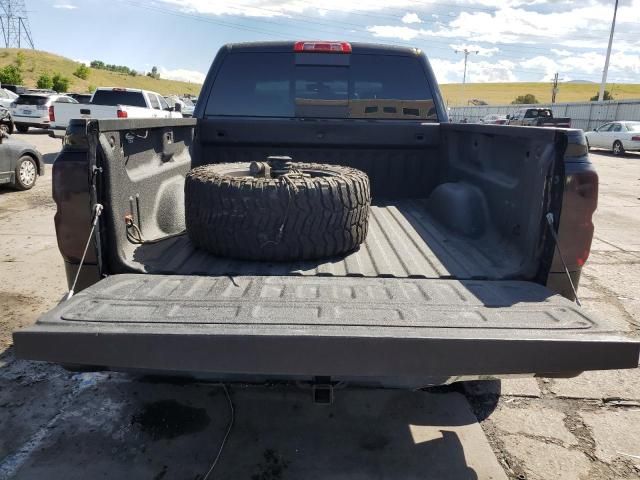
{"x":620,"y":152}
{"x":22,"y":128}
{"x":18,"y":182}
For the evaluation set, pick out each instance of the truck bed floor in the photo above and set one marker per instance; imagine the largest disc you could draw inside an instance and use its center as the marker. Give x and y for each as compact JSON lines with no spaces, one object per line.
{"x":404,"y":241}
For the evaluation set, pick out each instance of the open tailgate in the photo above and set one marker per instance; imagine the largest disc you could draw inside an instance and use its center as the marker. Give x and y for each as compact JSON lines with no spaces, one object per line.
{"x":311,"y":326}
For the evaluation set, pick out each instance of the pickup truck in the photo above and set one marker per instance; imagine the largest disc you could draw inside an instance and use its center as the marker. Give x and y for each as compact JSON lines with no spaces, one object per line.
{"x":538,"y":117}
{"x":109,"y":102}
{"x":460,"y":276}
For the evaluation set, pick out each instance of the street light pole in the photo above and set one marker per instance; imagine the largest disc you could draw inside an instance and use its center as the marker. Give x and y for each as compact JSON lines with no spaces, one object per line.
{"x":606,"y":62}
{"x":464,"y":78}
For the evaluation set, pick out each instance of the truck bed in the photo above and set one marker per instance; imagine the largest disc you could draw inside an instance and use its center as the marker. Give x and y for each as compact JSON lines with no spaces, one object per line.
{"x":404,"y":241}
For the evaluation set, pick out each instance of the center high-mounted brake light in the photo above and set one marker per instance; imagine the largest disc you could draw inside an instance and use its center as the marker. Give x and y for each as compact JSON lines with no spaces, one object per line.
{"x":322,"y":47}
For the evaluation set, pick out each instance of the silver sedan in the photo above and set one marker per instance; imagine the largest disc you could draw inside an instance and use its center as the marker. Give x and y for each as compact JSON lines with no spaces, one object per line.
{"x":619,"y":137}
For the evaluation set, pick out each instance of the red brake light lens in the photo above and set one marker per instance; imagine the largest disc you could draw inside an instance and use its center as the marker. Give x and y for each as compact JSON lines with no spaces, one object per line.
{"x":636,"y":138}
{"x":322,"y":47}
{"x":122,"y":114}
{"x":52,"y":114}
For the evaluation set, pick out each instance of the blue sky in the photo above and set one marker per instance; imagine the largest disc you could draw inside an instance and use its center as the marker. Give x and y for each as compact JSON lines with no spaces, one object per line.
{"x":516,"y":40}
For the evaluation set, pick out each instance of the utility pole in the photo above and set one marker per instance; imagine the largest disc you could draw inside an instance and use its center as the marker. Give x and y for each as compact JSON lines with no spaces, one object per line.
{"x":15,"y":24}
{"x":554,"y":91}
{"x":464,"y":78}
{"x":606,"y":62}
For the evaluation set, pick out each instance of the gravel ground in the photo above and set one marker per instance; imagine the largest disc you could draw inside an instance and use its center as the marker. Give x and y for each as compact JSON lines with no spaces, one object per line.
{"x":54,"y":424}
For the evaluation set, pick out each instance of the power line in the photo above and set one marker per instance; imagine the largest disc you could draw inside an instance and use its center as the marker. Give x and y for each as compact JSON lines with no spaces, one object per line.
{"x":14,"y":24}
{"x":333,"y":26}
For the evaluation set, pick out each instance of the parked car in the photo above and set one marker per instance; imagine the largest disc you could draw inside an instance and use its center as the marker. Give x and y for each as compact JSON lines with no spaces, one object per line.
{"x":186,"y":105}
{"x":457,"y":279}
{"x":36,"y":110}
{"x":46,"y":91}
{"x":17,"y":89}
{"x":6,"y":122}
{"x":619,"y":137}
{"x":494,"y":119}
{"x":538,"y":117}
{"x":20,"y":163}
{"x":113,"y":102}
{"x":7,"y":97}
{"x":83,"y":98}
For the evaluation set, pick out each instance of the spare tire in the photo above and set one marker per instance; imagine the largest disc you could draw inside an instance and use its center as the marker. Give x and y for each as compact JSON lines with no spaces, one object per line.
{"x":310,"y":212}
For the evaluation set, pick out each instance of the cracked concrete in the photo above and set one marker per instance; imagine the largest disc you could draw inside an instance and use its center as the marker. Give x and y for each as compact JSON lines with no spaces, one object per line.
{"x":583,"y":428}
{"x":599,"y":410}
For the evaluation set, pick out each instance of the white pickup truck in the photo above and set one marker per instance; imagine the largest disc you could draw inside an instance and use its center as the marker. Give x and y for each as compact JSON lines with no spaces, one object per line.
{"x":110,"y":102}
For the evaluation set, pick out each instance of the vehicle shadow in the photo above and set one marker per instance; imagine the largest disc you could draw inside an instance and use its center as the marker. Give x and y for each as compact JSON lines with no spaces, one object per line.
{"x":97,"y":424}
{"x":610,"y":154}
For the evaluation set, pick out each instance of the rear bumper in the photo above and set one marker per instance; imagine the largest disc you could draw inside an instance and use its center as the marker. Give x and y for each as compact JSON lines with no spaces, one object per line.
{"x":280,"y":327}
{"x":632,"y":146}
{"x":31,"y":122}
{"x":281,"y":356}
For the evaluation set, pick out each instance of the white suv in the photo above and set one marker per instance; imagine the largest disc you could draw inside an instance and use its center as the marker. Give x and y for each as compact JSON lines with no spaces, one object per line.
{"x":35,"y":110}
{"x":7,"y":97}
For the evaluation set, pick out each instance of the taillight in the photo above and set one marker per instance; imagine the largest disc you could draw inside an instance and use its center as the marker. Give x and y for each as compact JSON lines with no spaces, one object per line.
{"x":52,"y":114}
{"x":322,"y":47}
{"x":636,"y":138}
{"x":580,"y":201}
{"x":122,"y":114}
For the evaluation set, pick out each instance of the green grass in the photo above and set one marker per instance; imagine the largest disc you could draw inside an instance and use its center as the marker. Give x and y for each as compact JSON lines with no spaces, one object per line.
{"x":36,"y":63}
{"x":504,"y":93}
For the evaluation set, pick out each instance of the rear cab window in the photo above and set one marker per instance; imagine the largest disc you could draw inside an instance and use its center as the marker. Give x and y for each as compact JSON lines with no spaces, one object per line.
{"x":317,"y":85}
{"x":114,"y":98}
{"x":35,"y":100}
{"x":163,"y":103}
{"x":153,"y":100}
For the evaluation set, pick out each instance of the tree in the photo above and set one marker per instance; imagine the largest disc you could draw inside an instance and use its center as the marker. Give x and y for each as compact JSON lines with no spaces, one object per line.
{"x":91,"y":88}
{"x":525,"y":99}
{"x":60,"y":83}
{"x":82,"y":71}
{"x":45,"y":81}
{"x":11,"y":75}
{"x":607,"y":96}
{"x":20,"y":60}
{"x":154,"y":73}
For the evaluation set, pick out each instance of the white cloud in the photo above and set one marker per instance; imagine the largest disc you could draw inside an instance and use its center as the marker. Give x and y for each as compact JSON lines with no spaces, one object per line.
{"x":536,"y":37}
{"x":182,"y":75}
{"x":448,"y":71}
{"x":278,"y":8}
{"x":389,"y":31}
{"x":65,"y":6}
{"x":411,"y":18}
{"x":562,"y":53}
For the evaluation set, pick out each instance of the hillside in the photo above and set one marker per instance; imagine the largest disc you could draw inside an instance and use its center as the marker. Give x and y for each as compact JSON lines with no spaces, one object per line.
{"x":504,"y":93}
{"x":36,"y":63}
